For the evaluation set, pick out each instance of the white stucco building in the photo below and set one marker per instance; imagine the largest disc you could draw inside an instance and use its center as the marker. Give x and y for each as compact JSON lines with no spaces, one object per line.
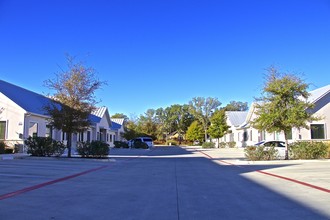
{"x":22,"y":115}
{"x":244,"y":134}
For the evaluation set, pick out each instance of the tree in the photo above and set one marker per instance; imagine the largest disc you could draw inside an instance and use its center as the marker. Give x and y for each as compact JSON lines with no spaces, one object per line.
{"x":120,"y":115}
{"x":164,"y":123}
{"x":73,"y":98}
{"x":236,"y":106}
{"x":218,"y":127}
{"x":181,"y":119}
{"x":202,"y":109}
{"x":195,"y":132}
{"x":283,"y":105}
{"x":147,"y":123}
{"x":130,"y":129}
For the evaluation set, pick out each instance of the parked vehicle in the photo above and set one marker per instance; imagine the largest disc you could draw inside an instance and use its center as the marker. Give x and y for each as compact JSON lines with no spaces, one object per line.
{"x":278,"y":145}
{"x":146,"y":140}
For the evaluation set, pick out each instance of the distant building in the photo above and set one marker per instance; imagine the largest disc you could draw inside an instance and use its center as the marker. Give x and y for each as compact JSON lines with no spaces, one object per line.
{"x":117,"y":126}
{"x":244,"y":134}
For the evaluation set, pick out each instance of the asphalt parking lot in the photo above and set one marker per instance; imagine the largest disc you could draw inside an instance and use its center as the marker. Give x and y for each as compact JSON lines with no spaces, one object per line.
{"x":164,"y":183}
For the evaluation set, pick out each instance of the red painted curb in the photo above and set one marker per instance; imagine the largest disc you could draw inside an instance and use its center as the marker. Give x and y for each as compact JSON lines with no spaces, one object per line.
{"x":18,"y":192}
{"x":274,"y":175}
{"x":15,"y":193}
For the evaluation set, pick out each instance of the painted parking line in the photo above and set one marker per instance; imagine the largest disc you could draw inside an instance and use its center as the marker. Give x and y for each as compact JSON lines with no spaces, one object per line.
{"x":28,"y":189}
{"x":38,"y":186}
{"x":274,"y":175}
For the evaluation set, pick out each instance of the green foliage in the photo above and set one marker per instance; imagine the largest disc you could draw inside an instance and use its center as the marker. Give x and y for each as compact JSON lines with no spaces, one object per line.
{"x":2,"y":147}
{"x":218,"y":127}
{"x":236,"y":106}
{"x":231,"y":144}
{"x":140,"y":144}
{"x":97,"y":149}
{"x":308,"y":150}
{"x":130,"y":129}
{"x":74,"y":99}
{"x":202,"y":108}
{"x":208,"y":145}
{"x":260,"y":153}
{"x":44,"y":146}
{"x":284,"y":104}
{"x":147,"y":124}
{"x":120,"y":144}
{"x":119,"y":115}
{"x":173,"y":118}
{"x":222,"y":144}
{"x":195,"y":132}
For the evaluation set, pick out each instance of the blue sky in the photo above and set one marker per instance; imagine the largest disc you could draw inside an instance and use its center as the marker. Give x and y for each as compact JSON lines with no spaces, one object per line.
{"x":155,"y":53}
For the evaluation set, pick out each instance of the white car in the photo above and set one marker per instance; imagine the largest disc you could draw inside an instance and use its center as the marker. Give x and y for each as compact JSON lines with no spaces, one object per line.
{"x":146,"y":140}
{"x":278,"y":145}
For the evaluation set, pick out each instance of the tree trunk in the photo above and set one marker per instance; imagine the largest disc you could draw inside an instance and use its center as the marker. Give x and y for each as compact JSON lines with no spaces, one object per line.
{"x":69,"y":143}
{"x":286,"y":147}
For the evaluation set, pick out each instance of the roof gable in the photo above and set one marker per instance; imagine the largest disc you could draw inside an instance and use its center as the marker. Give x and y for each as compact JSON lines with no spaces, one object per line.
{"x":236,"y":118}
{"x":117,"y":123}
{"x":101,"y":112}
{"x":317,"y":94}
{"x":30,"y":101}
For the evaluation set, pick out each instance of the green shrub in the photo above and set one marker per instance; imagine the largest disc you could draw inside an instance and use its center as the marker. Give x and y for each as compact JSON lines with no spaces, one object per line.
{"x":222,"y":144}
{"x":93,"y":149}
{"x":231,"y":144}
{"x":58,"y":148}
{"x":39,"y":146}
{"x":308,"y":150}
{"x":83,"y":149}
{"x":140,"y":144}
{"x":260,"y":153}
{"x":171,"y":142}
{"x":9,"y":151}
{"x":120,"y":144}
{"x":2,"y":147}
{"x":208,"y":144}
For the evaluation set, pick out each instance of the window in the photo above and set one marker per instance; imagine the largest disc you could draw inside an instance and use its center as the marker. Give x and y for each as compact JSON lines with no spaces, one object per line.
{"x":261,"y":135}
{"x":245,"y":136}
{"x":2,"y":130}
{"x":49,"y":131}
{"x":317,"y":131}
{"x":250,"y":135}
{"x":231,"y":137}
{"x":88,"y":136}
{"x":33,"y":129}
{"x":81,"y":136}
{"x":64,"y":136}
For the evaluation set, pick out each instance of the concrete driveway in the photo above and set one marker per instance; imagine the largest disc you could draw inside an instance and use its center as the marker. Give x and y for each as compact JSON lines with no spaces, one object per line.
{"x":164,"y":183}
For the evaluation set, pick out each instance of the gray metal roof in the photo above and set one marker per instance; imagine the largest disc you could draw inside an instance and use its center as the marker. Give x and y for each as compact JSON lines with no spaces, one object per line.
{"x":236,"y":118}
{"x":30,"y":101}
{"x":318,"y":93}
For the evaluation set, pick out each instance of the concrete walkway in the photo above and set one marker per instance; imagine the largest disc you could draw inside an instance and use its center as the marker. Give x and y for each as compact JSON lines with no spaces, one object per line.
{"x":163,"y":183}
